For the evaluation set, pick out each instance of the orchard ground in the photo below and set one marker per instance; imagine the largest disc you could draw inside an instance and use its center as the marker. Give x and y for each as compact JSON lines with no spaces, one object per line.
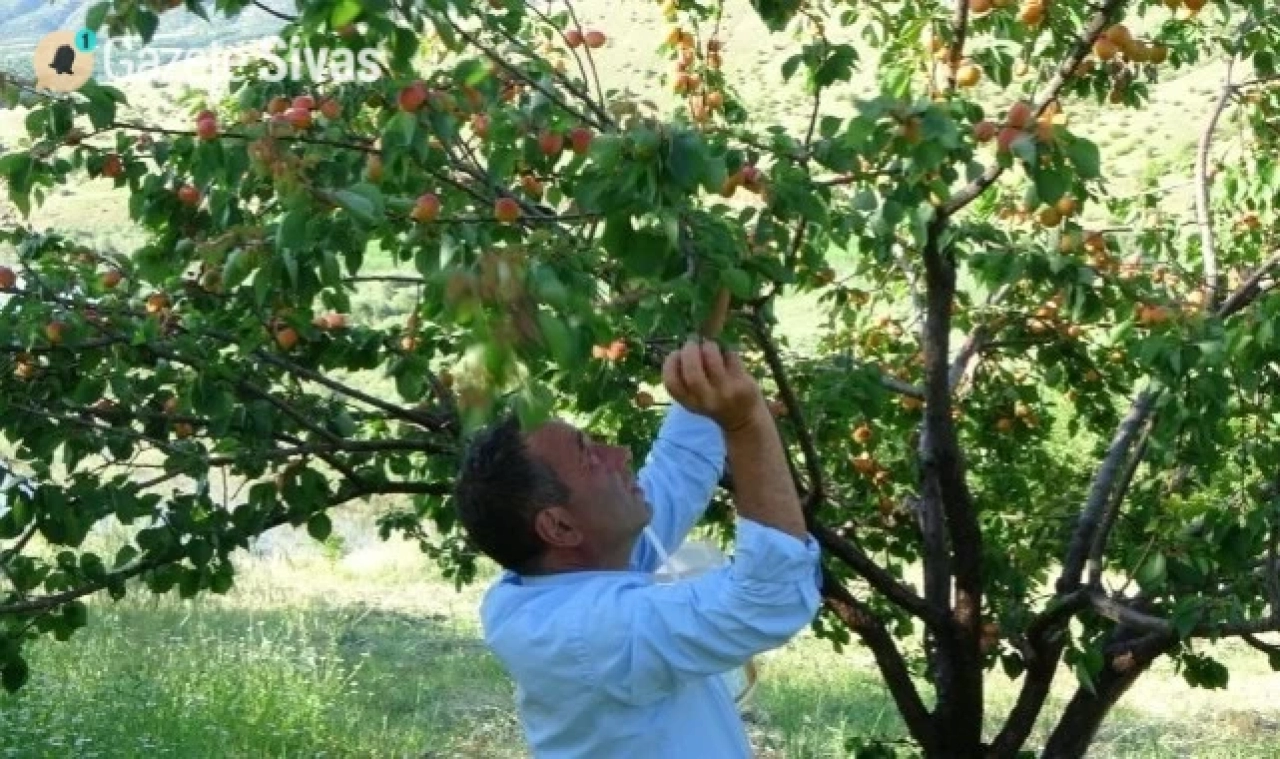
{"x":359,"y":648}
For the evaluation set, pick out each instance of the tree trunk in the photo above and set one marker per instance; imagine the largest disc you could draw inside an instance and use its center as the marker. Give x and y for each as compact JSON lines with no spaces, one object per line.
{"x":1083,"y":716}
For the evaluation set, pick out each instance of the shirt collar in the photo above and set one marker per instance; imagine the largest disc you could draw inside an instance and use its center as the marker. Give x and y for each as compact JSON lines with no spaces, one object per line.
{"x":581,"y":575}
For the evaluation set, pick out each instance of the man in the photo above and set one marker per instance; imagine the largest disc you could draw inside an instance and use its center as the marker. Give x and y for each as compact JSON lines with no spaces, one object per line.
{"x":609,"y":664}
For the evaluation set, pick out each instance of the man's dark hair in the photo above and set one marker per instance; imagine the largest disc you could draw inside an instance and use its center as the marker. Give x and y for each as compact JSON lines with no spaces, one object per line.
{"x":500,"y":490}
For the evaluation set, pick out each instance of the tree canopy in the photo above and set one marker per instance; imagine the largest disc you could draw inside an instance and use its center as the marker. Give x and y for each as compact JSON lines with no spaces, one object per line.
{"x":1055,"y":400}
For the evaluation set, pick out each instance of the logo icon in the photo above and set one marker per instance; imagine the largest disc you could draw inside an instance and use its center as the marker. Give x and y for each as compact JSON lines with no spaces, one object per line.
{"x":63,"y":60}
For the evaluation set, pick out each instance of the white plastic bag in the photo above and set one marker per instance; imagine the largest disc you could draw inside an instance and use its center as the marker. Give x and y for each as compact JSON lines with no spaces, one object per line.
{"x":694,"y":557}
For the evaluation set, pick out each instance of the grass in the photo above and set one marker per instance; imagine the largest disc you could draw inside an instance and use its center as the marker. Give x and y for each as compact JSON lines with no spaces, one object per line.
{"x":195,"y":680}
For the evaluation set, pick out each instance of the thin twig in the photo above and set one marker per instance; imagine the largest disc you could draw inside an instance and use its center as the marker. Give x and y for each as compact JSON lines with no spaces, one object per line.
{"x":1208,"y":248}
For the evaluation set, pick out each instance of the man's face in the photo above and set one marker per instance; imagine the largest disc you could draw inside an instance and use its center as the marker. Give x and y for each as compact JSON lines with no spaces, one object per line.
{"x":606,"y":502}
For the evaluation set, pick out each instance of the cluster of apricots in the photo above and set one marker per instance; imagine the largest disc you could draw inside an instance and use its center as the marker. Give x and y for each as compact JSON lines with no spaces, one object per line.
{"x":613,"y":352}
{"x":1117,"y":42}
{"x":704,"y":100}
{"x":295,"y":115}
{"x":748,"y":178}
{"x":592,"y":38}
{"x":1022,"y":415}
{"x":1020,"y":120}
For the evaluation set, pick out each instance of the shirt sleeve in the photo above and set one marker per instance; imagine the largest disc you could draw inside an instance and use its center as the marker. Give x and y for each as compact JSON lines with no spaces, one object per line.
{"x":656,"y":637}
{"x":679,"y":476}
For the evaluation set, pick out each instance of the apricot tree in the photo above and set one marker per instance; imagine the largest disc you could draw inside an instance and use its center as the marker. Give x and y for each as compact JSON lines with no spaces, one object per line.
{"x":996,"y":297}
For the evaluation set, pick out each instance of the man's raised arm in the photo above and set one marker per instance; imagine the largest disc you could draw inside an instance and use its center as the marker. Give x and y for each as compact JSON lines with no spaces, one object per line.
{"x":646,"y":642}
{"x":678,"y":478}
{"x":684,"y":466}
{"x":715,"y":384}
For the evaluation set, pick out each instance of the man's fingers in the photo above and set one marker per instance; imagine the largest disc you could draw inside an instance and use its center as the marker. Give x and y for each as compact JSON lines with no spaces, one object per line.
{"x":671,"y":377}
{"x":691,"y":372}
{"x":733,"y":366}
{"x":713,"y":364}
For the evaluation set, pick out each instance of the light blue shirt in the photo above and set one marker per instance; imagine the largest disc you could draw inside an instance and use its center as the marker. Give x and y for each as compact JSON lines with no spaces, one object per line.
{"x":612,"y":665}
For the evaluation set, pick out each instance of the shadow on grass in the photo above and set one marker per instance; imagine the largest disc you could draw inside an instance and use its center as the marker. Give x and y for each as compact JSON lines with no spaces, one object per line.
{"x":191,"y":680}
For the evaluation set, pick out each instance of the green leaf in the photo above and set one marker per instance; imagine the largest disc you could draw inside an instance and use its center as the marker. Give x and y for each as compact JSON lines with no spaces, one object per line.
{"x":685,"y":162}
{"x":15,"y":674}
{"x":237,"y":268}
{"x":557,"y":337}
{"x":76,"y":614}
{"x":16,"y":167}
{"x":292,"y":232}
{"x":1083,"y":677}
{"x":1084,"y":154}
{"x":606,"y":151}
{"x":148,"y":22}
{"x":189,"y":583}
{"x":200,"y":551}
{"x":344,"y":13}
{"x":126,"y":554}
{"x":1051,"y":185}
{"x":96,"y":15}
{"x":1151,"y":575}
{"x":776,"y":14}
{"x":838,"y":67}
{"x":402,"y":127}
{"x":101,"y":106}
{"x":790,"y":65}
{"x":359,"y":205}
{"x":222,"y":579}
{"x":738,"y":282}
{"x":319,"y":526}
{"x":1024,"y":147}
{"x":644,"y":252}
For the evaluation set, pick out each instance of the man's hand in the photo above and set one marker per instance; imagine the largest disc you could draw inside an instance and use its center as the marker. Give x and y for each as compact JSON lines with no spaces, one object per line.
{"x":714,"y":383}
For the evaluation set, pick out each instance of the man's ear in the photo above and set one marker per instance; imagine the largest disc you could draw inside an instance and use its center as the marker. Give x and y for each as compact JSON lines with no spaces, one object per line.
{"x":557,"y":528}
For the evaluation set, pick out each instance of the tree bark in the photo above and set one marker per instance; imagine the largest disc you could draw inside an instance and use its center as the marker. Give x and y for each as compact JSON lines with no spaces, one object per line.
{"x":959,"y":674}
{"x":1078,"y":726}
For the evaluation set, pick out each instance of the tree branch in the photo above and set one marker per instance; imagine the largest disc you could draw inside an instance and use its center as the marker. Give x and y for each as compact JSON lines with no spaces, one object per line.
{"x":960,"y":25}
{"x":1097,"y":23}
{"x":342,"y":446}
{"x":812,"y":463}
{"x":974,"y":343}
{"x":959,"y":670}
{"x":1100,"y":538}
{"x":597,"y":107}
{"x":1248,"y":290}
{"x":40,"y":604}
{"x":387,"y":278}
{"x":873,"y":573}
{"x":274,"y":12}
{"x":859,"y":619}
{"x":7,"y":554}
{"x":939,"y":448}
{"x":1270,"y":649}
{"x":1091,"y":515}
{"x":1041,"y":651}
{"x":1203,"y":218}
{"x":1115,"y":610}
{"x":517,"y":73}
